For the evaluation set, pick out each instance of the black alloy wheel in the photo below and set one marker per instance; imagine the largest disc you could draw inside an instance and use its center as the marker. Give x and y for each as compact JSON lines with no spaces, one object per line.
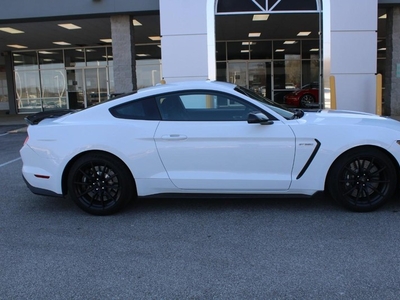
{"x":362,"y":179}
{"x":100,"y":184}
{"x":307,"y":100}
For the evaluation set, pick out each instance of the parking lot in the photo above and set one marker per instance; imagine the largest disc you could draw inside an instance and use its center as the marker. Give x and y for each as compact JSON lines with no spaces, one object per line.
{"x":192,"y":248}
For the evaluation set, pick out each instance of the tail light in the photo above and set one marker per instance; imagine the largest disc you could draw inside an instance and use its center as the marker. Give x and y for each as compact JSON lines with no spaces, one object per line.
{"x":26,"y":140}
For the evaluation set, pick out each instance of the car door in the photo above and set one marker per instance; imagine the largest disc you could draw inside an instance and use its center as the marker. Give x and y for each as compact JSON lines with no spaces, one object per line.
{"x":206,"y":144}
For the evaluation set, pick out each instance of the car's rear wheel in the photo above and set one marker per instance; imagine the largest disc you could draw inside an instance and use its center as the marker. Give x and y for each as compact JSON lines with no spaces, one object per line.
{"x":362,"y":179}
{"x":307,"y":100}
{"x":100,"y":184}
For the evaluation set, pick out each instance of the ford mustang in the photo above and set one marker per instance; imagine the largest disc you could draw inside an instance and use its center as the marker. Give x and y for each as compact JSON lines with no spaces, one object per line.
{"x":209,"y":138}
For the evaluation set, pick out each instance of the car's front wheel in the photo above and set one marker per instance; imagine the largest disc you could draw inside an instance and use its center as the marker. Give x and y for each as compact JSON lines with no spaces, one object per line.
{"x":100,"y":184}
{"x":362,"y":179}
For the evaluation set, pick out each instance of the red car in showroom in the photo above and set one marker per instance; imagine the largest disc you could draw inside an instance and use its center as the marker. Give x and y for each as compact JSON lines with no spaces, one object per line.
{"x":306,"y":97}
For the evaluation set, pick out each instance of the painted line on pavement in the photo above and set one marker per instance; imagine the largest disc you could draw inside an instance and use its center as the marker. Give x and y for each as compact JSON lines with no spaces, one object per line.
{"x":10,"y":162}
{"x":4,"y":134}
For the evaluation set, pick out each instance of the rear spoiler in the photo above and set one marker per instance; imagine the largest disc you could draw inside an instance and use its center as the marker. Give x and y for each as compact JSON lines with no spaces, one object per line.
{"x":40,"y":116}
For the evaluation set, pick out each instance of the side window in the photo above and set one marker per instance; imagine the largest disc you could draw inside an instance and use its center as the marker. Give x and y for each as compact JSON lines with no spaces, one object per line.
{"x":203,"y":106}
{"x":144,"y":109}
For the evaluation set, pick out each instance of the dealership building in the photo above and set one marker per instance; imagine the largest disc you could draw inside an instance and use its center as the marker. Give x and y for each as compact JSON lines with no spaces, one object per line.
{"x":73,"y":54}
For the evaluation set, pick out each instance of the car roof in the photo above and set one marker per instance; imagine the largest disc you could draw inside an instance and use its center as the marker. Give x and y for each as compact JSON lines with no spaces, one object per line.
{"x":189,"y":85}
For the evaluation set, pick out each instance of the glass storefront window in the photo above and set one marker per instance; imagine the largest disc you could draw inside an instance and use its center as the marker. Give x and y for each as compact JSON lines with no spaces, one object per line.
{"x":287,"y":74}
{"x":238,"y":73}
{"x":53,"y":84}
{"x":51,"y":59}
{"x":221,"y":71}
{"x":148,"y":72}
{"x":220,"y":48}
{"x":309,"y":49}
{"x":75,"y":57}
{"x":148,"y":52}
{"x":238,"y":50}
{"x":310,"y":71}
{"x":284,"y":48}
{"x":25,"y":60}
{"x":260,"y":49}
{"x":27,"y":84}
{"x":3,"y":89}
{"x":96,"y":57}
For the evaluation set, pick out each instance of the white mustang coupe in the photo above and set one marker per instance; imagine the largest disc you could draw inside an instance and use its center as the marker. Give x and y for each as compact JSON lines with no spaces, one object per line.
{"x":209,"y":138}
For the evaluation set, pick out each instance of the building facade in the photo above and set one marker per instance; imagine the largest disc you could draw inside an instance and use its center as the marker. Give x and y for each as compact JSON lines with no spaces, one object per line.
{"x":74,"y":54}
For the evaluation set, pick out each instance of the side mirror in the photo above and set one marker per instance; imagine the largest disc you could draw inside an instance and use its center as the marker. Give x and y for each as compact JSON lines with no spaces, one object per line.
{"x":258,"y":118}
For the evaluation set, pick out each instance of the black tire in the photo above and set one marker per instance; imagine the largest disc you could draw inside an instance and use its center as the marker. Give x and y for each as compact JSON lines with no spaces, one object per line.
{"x":100,"y":184}
{"x":362,"y":179}
{"x":307,"y":100}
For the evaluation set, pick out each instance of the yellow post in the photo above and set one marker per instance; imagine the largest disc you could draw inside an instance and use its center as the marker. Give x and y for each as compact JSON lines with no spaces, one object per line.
{"x":379,"y":94}
{"x":332,"y":83}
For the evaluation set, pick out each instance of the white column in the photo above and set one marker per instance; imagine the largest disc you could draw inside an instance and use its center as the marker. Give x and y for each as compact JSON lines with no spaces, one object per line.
{"x":188,"y":39}
{"x":350,"y":52}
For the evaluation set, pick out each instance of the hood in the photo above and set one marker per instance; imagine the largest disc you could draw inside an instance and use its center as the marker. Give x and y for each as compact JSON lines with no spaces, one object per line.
{"x":347,"y":117}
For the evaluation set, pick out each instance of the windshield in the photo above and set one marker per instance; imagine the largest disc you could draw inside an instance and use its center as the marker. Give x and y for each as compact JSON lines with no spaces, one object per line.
{"x":285,"y":112}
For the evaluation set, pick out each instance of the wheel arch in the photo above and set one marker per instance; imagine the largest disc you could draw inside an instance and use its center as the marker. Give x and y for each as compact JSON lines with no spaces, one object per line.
{"x":64,"y":178}
{"x":384,"y":151}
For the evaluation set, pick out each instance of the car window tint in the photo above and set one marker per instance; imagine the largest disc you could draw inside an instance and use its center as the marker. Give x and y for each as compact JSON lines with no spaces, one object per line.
{"x":145,"y":109}
{"x":203,"y":106}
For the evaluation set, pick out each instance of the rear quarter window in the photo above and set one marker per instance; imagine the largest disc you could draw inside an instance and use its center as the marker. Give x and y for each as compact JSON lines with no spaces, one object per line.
{"x":143,"y":109}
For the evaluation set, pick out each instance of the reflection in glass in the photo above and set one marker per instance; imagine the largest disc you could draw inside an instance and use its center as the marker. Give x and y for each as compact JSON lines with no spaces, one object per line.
{"x":27,"y":86}
{"x":74,"y":57}
{"x":96,"y":56}
{"x":3,"y":89}
{"x":96,"y":85}
{"x":25,"y":61}
{"x":51,"y":59}
{"x":238,"y":73}
{"x":53,"y":89}
{"x":148,"y":72}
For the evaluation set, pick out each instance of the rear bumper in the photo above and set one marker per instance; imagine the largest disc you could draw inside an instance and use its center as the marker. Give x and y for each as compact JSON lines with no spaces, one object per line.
{"x":39,"y":191}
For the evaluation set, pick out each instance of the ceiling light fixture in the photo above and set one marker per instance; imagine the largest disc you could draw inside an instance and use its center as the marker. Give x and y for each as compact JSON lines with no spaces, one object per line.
{"x":17,"y":46}
{"x":314,"y":49}
{"x":69,"y":26}
{"x":109,"y":41}
{"x":254,"y":34}
{"x":289,"y":42}
{"x":383,"y":16}
{"x":280,"y":50}
{"x":304,"y":33}
{"x":262,"y":17}
{"x":248,"y":43}
{"x":11,"y":30}
{"x":61,"y":43}
{"x":136,"y":23}
{"x":155,"y":38}
{"x":142,"y":55}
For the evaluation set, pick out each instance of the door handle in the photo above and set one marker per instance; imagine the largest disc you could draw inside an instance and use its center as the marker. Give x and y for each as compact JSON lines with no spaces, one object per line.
{"x":174,"y":137}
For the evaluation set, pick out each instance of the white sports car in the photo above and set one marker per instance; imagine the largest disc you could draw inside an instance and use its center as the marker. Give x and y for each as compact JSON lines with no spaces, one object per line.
{"x":209,"y":138}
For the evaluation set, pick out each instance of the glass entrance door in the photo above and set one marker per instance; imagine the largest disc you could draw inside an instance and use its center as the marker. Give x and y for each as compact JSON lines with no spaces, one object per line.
{"x":96,"y":85}
{"x":253,"y":75}
{"x":86,"y":87}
